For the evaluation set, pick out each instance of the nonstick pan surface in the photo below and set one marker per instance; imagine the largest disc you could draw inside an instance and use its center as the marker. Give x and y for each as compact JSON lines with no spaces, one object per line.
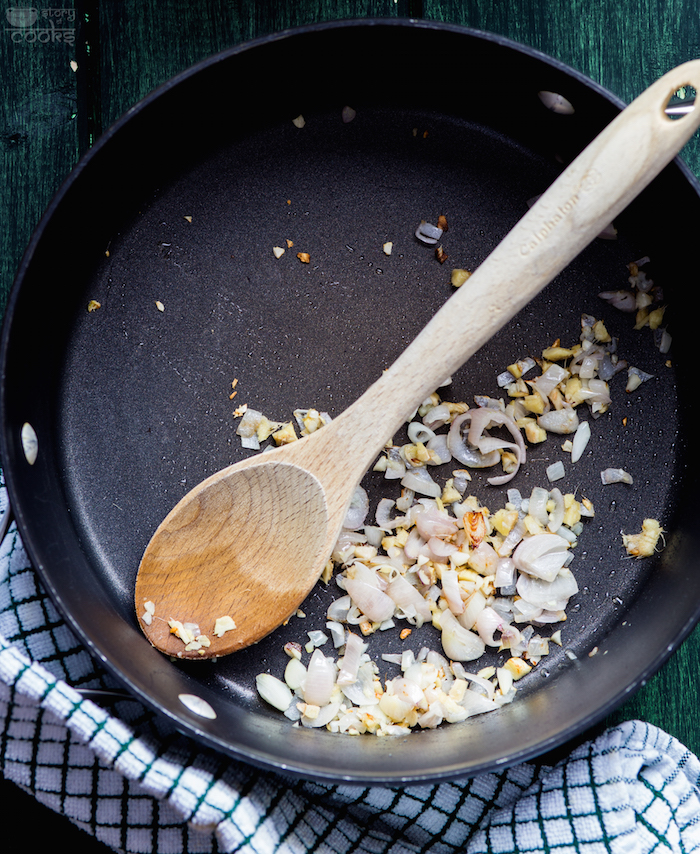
{"x":182,"y":202}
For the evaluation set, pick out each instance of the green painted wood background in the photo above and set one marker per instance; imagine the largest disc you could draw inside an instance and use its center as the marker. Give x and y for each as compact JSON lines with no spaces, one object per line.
{"x":57,"y":97}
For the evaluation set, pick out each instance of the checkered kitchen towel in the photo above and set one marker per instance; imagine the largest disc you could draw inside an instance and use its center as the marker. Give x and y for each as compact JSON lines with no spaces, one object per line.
{"x":125,"y":777}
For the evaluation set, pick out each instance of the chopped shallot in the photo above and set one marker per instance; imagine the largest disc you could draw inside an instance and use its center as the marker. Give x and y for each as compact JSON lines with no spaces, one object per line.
{"x":613,"y":475}
{"x":460,"y":644}
{"x":580,"y":440}
{"x":435,"y":556}
{"x":428,"y":233}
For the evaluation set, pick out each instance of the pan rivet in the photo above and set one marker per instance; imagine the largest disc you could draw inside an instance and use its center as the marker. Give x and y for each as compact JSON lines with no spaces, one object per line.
{"x":556,"y":103}
{"x":197,"y":705}
{"x":30,"y":443}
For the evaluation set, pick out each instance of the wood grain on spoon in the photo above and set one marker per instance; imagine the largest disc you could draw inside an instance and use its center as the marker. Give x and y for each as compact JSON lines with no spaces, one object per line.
{"x":252,"y":540}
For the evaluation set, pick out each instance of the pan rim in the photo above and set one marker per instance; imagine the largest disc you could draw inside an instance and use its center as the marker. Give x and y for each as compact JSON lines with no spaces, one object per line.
{"x":6,"y":441}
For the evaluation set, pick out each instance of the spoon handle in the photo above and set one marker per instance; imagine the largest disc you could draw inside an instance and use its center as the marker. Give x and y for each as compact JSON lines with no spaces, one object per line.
{"x":582,"y":201}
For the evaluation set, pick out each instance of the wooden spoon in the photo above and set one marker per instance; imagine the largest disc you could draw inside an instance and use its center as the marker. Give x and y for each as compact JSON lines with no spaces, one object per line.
{"x":251,"y":541}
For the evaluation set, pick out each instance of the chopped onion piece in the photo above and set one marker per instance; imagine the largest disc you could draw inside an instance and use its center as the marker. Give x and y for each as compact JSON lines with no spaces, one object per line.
{"x":548,"y":595}
{"x":613,"y":475}
{"x":484,"y":559}
{"x":419,"y":480}
{"x":320,"y":679}
{"x":372,"y":602}
{"x":324,"y":716}
{"x":459,"y":643}
{"x":338,"y":610}
{"x":409,"y":600}
{"x":476,"y":704}
{"x":635,"y":377}
{"x":505,"y":573}
{"x":440,"y":549}
{"x":383,"y":515}
{"x":438,"y":445}
{"x":560,"y":421}
{"x":317,"y":637}
{"x":580,"y":440}
{"x":294,"y":674}
{"x":622,"y":300}
{"x":487,"y":623}
{"x":542,"y":555}
{"x":249,"y":423}
{"x":505,"y":379}
{"x":357,"y":511}
{"x":472,"y":608}
{"x":512,"y":539}
{"x":537,"y":506}
{"x":451,"y":591}
{"x":436,"y":416}
{"x":274,"y":691}
{"x":550,"y":379}
{"x":337,"y":633}
{"x":664,"y":341}
{"x":349,"y":664}
{"x":428,"y":233}
{"x":432,"y":522}
{"x":555,"y":471}
{"x":556,"y":517}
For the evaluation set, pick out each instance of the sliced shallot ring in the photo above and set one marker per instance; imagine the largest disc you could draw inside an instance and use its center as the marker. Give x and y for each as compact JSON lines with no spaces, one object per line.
{"x":461,"y":451}
{"x":484,"y":417}
{"x":418,"y":432}
{"x":487,"y":623}
{"x":382,"y":515}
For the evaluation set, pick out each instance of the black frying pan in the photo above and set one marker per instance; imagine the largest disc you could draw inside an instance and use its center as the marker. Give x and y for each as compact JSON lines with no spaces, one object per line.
{"x":131,"y":404}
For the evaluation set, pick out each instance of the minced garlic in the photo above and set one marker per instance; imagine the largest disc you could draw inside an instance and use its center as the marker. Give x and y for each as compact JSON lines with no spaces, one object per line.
{"x":285,"y":434}
{"x":223,"y":625}
{"x":643,"y":544}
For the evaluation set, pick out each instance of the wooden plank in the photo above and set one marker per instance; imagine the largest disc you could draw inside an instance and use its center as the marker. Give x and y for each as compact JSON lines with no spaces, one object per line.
{"x":622,"y":44}
{"x":38,"y":126}
{"x":145,"y":44}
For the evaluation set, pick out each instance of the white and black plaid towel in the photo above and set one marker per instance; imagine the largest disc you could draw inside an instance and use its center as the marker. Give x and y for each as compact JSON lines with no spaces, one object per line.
{"x":124,"y":777}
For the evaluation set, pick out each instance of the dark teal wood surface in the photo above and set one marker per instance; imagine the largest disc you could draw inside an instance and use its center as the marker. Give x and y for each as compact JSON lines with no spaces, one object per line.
{"x":621,"y":44}
{"x":58,"y":94}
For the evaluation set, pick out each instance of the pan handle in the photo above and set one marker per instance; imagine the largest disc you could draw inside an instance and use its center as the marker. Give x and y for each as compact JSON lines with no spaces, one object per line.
{"x":581,"y":202}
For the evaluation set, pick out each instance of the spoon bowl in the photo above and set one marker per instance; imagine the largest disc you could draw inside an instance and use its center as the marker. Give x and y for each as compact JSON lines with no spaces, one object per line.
{"x":251,"y":541}
{"x":215,"y":532}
